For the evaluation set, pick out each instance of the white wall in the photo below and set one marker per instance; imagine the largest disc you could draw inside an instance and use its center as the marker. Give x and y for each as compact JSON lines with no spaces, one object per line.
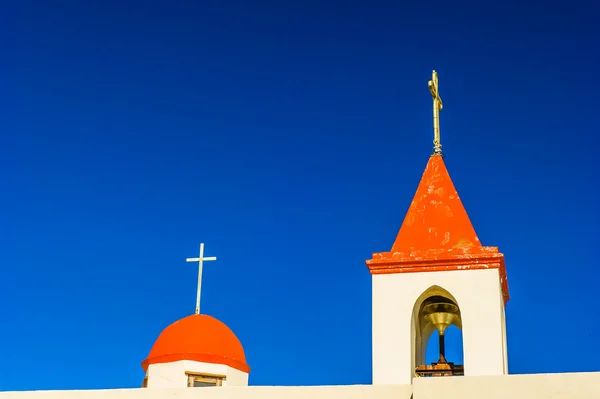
{"x":531,"y":386}
{"x":230,"y":392}
{"x":172,"y":375}
{"x":525,"y":386}
{"x":479,"y":297}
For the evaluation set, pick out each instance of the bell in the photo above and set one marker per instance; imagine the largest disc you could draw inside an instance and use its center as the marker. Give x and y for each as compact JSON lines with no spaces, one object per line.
{"x":441,"y":314}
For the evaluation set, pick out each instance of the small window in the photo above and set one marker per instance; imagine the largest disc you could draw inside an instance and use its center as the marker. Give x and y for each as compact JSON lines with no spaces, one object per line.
{"x":204,"y":380}
{"x":145,"y":383}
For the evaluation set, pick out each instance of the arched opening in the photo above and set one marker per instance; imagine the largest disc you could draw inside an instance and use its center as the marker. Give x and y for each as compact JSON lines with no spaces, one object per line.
{"x":437,"y":334}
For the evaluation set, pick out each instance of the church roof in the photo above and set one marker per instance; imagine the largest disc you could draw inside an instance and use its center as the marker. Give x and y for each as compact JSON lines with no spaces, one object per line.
{"x":437,"y":234}
{"x":199,"y":338}
{"x":436,"y":217}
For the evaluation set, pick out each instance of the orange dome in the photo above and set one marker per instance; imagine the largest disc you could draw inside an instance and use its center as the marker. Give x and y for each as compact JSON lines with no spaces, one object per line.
{"x":200,"y":338}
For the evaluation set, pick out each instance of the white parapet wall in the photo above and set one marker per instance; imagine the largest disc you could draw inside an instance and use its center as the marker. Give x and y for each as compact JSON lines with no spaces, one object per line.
{"x":517,"y":386}
{"x":228,"y":392}
{"x":526,"y":386}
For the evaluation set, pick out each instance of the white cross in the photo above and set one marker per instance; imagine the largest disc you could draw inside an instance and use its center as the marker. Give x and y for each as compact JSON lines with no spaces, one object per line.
{"x":200,"y":260}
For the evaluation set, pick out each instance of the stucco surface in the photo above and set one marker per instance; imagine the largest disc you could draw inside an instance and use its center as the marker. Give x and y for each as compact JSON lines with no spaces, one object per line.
{"x":479,"y":298}
{"x":173,"y":375}
{"x":530,"y":386}
{"x":230,"y":392}
{"x":525,"y":386}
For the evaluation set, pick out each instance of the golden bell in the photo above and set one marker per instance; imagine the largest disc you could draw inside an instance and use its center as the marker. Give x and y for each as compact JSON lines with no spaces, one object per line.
{"x":441,"y":315}
{"x":441,"y":312}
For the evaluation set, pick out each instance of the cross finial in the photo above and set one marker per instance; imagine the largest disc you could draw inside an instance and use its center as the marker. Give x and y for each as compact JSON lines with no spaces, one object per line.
{"x":200,"y":259}
{"x":437,"y":106}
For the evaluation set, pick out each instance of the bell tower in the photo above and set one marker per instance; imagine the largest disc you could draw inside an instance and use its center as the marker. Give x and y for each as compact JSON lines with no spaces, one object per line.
{"x":437,"y":274}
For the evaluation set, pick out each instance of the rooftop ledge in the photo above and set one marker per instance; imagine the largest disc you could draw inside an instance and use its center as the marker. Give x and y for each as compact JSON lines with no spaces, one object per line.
{"x":437,"y":260}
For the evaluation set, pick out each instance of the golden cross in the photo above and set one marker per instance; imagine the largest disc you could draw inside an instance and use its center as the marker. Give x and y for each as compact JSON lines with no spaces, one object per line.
{"x":437,"y":106}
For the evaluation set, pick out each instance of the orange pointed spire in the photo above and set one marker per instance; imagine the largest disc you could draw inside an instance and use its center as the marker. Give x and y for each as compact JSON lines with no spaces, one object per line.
{"x":436,"y":234}
{"x":436,"y":217}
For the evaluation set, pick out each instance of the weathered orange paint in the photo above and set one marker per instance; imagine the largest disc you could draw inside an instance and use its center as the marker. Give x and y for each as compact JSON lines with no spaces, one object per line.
{"x":436,"y":217}
{"x":436,"y":234}
{"x":199,"y":338}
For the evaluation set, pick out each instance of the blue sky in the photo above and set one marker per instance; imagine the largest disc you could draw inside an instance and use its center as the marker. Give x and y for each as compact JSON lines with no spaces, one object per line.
{"x":290,"y":138}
